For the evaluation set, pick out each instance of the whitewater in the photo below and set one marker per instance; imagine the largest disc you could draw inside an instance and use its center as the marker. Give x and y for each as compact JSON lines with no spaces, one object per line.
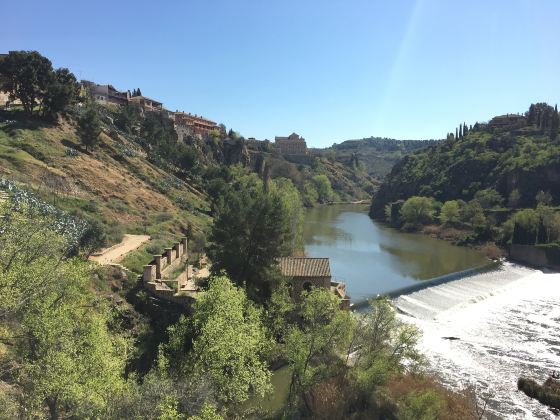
{"x":488,"y":329}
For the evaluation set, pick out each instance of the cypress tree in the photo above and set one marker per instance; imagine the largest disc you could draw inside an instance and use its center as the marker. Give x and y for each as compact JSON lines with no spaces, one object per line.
{"x":531,"y":115}
{"x":554,"y":123}
{"x":456,"y":133}
{"x":465,"y":129}
{"x":461,"y":131}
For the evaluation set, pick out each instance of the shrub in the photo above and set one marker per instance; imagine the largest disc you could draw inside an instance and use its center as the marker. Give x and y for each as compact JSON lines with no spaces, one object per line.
{"x":417,"y":211}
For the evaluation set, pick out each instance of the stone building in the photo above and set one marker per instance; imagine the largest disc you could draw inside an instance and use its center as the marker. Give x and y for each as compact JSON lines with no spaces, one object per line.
{"x":302,"y":274}
{"x":293,"y":145}
{"x":106,"y":93}
{"x":147,"y":104}
{"x":189,"y":124}
{"x":507,"y":120}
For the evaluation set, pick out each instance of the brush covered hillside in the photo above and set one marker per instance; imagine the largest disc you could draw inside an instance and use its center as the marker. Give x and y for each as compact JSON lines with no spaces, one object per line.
{"x":376,"y":155}
{"x":517,"y":156}
{"x":114,"y":185}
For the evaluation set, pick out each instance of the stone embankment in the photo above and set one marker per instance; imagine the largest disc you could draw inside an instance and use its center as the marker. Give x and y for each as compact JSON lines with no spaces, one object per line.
{"x":536,"y":256}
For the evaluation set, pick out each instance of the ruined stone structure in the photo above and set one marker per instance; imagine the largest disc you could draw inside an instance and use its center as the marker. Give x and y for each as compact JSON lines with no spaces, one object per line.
{"x":302,"y":274}
{"x":189,"y":124}
{"x":293,"y":145}
{"x":158,"y":270}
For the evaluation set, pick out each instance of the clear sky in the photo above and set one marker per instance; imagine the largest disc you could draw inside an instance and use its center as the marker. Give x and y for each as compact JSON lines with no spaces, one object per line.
{"x":328,"y":70}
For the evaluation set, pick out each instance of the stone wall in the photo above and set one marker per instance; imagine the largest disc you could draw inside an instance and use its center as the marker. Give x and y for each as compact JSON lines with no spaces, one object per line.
{"x":300,"y":284}
{"x":536,"y":256}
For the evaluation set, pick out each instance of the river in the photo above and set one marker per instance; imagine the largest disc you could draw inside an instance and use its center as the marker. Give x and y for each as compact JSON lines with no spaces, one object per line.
{"x":373,"y":259}
{"x":505,"y":322}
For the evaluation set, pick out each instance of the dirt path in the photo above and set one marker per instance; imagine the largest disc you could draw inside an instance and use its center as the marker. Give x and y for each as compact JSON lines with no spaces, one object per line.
{"x":116,"y":253}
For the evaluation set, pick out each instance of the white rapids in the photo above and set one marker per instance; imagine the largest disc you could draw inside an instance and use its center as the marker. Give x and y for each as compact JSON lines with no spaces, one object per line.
{"x":504,"y":324}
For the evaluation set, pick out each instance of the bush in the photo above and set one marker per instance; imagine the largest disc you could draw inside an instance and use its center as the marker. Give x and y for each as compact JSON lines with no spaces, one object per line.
{"x":417,"y":211}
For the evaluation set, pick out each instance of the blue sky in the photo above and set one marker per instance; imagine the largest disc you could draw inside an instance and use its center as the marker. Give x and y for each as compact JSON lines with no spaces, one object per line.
{"x":328,"y":70}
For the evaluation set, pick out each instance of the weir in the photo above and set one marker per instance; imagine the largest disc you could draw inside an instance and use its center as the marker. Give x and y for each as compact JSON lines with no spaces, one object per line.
{"x":488,"y":329}
{"x":423,"y":284}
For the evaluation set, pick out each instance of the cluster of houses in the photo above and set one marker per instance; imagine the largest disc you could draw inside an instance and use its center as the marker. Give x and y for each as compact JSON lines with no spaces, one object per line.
{"x":292,"y":147}
{"x":185,"y":123}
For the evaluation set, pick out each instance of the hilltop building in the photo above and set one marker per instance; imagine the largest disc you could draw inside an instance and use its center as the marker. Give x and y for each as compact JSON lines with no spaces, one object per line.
{"x":303,"y":273}
{"x":293,"y":145}
{"x":106,"y":93}
{"x":507,"y":120}
{"x":189,"y":124}
{"x":147,"y":104}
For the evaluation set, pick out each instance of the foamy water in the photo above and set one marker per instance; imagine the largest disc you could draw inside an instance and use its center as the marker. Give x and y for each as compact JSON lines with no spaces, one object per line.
{"x":507,"y":324}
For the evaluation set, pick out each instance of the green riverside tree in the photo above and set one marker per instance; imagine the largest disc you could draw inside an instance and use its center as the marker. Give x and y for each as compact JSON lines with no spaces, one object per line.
{"x":450,"y":213}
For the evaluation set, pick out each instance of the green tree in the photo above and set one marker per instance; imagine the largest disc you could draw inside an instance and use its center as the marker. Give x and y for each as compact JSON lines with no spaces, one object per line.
{"x":312,"y":350}
{"x":310,"y":195}
{"x":450,"y":213}
{"x":514,"y":197}
{"x":323,"y":188}
{"x":128,"y":118}
{"x":554,"y":123}
{"x":526,"y":223}
{"x":473,"y":213}
{"x":293,"y":210}
{"x":228,"y":343}
{"x":27,"y":75}
{"x":417,"y":211}
{"x":417,"y":405}
{"x":89,"y":128}
{"x":66,"y":360}
{"x":543,"y":198}
{"x":61,"y":92}
{"x":489,"y":198}
{"x":385,"y":345}
{"x":252,"y":228}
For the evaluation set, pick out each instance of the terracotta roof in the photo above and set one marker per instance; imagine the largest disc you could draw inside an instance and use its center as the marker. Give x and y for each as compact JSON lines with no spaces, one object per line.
{"x":305,"y":267}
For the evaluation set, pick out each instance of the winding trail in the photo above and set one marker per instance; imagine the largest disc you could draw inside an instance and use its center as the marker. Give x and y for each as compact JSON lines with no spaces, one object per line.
{"x":117,"y":252}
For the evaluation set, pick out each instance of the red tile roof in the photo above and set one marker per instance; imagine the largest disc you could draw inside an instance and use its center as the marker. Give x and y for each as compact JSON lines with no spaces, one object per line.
{"x":305,"y":267}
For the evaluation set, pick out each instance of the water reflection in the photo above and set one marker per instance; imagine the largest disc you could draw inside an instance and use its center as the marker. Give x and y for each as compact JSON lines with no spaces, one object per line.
{"x":374,"y":259}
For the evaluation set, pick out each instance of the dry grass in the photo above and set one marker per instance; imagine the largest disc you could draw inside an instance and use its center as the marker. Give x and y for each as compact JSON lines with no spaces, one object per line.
{"x":492,"y":251}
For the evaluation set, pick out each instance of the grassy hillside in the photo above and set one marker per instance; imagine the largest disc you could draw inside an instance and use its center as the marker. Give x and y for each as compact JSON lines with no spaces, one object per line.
{"x":522,"y":157}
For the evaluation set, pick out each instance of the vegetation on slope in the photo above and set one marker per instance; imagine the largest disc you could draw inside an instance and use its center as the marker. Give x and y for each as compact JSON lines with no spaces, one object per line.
{"x":491,"y":180}
{"x":375,"y":155}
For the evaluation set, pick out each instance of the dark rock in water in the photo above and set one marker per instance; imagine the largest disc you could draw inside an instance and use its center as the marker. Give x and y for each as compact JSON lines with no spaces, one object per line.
{"x":451,"y":338}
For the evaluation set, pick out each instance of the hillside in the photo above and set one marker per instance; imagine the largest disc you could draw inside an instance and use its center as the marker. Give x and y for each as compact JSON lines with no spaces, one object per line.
{"x":520,"y":155}
{"x":114,"y":184}
{"x":376,"y":155}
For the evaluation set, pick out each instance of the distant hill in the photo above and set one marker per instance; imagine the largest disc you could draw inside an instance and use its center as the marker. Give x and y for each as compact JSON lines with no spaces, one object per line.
{"x":511,"y":152}
{"x":375,"y":154}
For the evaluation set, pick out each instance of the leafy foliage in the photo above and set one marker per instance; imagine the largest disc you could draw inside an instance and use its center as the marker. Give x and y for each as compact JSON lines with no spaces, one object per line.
{"x":228,"y":343}
{"x":491,"y":161}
